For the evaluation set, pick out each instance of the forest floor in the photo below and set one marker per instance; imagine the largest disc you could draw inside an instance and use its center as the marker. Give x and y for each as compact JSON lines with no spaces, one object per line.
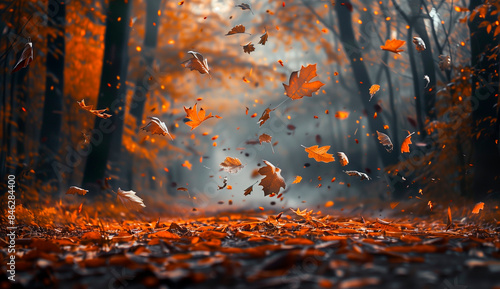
{"x":292,"y":249}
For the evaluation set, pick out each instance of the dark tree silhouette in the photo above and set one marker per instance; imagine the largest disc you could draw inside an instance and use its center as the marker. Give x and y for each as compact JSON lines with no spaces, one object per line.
{"x":111,"y":93}
{"x":484,"y":98}
{"x":54,"y":89}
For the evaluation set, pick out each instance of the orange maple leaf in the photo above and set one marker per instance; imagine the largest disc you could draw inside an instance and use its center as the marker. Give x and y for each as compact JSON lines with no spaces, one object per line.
{"x":319,"y":153}
{"x":299,"y":86}
{"x":393,"y":45}
{"x":196,"y":118}
{"x":405,"y":146}
{"x":273,"y":181}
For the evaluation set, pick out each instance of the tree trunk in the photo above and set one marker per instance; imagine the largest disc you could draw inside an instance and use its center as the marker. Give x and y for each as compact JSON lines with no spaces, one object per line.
{"x":54,"y":89}
{"x":142,"y":84}
{"x":111,"y":94}
{"x":485,"y":81}
{"x":429,"y":96}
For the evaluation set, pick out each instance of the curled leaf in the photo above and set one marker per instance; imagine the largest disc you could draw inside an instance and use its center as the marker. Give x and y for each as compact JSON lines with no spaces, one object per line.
{"x":156,"y":126}
{"x":265,"y":116}
{"x":198,"y":63}
{"x":231,"y":165}
{"x":405,"y":146}
{"x":244,"y":6}
{"x":419,"y":44}
{"x":130,"y":200}
{"x":361,"y":175}
{"x":248,"y":190}
{"x":263,"y":40}
{"x":385,"y":141}
{"x":26,"y":57}
{"x":97,"y":112}
{"x":343,"y":158}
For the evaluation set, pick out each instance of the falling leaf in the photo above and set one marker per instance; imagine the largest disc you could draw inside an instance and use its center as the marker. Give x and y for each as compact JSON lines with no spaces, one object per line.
{"x":273,"y":180}
{"x":394,"y":204}
{"x":426,"y":78}
{"x":76,"y":190}
{"x":430,"y":205}
{"x":196,"y":118}
{"x":224,"y":184}
{"x":343,"y":158}
{"x":362,"y":176}
{"x":405,"y":146}
{"x":342,"y":114}
{"x":26,"y":57}
{"x":265,"y":138}
{"x":265,"y":116}
{"x":248,"y":190}
{"x":182,"y":189}
{"x":263,"y":40}
{"x":197,"y":62}
{"x":444,"y":62}
{"x":130,"y":200}
{"x":329,"y":204}
{"x":97,"y":112}
{"x":297,"y":180}
{"x":479,"y":206}
{"x":393,"y":45}
{"x":231,"y":165}
{"x":373,"y":89}
{"x":419,"y":44}
{"x":319,"y":153}
{"x":299,"y":86}
{"x":244,"y":6}
{"x":156,"y":126}
{"x":280,"y":62}
{"x":236,"y":29}
{"x":187,"y":165}
{"x":385,"y":141}
{"x":248,"y":48}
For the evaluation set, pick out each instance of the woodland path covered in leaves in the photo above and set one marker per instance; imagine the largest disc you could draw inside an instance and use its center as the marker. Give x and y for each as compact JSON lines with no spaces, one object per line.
{"x":294,"y":249}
